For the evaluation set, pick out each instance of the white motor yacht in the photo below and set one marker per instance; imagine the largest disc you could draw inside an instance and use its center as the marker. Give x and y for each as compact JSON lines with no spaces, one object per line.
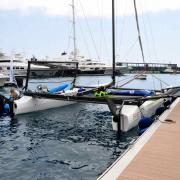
{"x":20,"y":65}
{"x":85,"y":65}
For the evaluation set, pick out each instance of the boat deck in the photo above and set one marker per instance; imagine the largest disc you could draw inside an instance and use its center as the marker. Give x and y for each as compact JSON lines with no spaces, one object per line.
{"x":157,"y":158}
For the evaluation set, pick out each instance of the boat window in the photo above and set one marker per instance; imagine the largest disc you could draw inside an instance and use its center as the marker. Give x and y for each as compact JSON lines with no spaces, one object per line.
{"x":17,"y":67}
{"x":8,"y":68}
{"x":21,"y":67}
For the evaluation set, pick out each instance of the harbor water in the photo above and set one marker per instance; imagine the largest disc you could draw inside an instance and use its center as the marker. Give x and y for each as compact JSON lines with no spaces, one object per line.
{"x":69,"y":143}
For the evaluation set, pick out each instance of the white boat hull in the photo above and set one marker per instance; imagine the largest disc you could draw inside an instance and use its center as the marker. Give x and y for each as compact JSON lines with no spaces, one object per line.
{"x":27,"y":104}
{"x":149,"y":108}
{"x":131,"y":114}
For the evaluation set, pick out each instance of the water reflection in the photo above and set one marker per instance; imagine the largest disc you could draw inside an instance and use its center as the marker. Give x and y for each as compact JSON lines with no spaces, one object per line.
{"x":74,"y":142}
{"x":8,"y":125}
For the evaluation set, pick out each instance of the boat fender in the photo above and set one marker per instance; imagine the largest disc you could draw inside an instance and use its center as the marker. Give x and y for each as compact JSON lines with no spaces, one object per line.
{"x":6,"y":108}
{"x":145,"y":122}
{"x":160,"y":110}
{"x":167,"y":103}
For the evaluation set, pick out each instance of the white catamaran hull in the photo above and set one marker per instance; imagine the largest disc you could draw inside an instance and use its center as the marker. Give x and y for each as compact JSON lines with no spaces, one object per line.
{"x":149,"y":108}
{"x":27,"y":104}
{"x":129,"y":118}
{"x":131,"y":114}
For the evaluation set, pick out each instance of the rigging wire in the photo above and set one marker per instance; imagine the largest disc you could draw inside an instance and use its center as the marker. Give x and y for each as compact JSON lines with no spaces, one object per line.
{"x":122,"y":29}
{"x":121,"y":80}
{"x":88,"y":26}
{"x":84,"y":39}
{"x":161,"y":80}
{"x":152,"y":36}
{"x":131,"y":48}
{"x":104,"y":40}
{"x":103,"y":33}
{"x":136,"y":76}
{"x":145,"y":32}
{"x":69,"y":39}
{"x":153,"y":82}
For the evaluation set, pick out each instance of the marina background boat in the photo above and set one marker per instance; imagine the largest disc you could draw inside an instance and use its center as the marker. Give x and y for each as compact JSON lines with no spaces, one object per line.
{"x":89,"y":66}
{"x":20,"y":64}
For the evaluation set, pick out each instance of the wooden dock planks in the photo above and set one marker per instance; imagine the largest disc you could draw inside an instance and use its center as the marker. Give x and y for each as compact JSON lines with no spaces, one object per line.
{"x":159,"y":159}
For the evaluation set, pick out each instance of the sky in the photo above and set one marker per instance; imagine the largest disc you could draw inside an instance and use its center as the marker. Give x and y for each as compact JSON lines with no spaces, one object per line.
{"x":44,"y":28}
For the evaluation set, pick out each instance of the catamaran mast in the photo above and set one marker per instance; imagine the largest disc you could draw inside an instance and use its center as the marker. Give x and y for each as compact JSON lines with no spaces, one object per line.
{"x":113,"y":43}
{"x":139,"y":33}
{"x":74,"y":30}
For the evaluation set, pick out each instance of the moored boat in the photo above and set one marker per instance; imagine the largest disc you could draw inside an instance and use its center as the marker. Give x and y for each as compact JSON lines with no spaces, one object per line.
{"x":141,"y":77}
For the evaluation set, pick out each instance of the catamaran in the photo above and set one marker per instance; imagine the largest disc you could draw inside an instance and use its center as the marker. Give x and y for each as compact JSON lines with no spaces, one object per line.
{"x":128,"y":106}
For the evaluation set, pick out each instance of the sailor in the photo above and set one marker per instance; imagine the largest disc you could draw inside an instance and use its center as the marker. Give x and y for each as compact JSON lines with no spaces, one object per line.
{"x":14,"y":94}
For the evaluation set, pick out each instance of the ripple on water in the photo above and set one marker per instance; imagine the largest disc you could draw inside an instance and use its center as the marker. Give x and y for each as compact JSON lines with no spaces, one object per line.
{"x":74,"y":142}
